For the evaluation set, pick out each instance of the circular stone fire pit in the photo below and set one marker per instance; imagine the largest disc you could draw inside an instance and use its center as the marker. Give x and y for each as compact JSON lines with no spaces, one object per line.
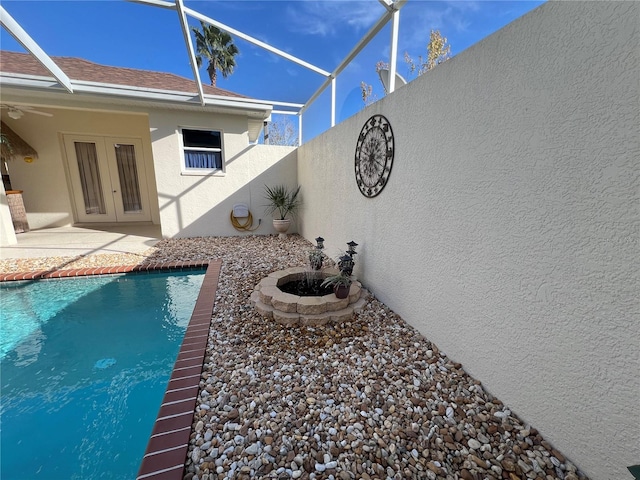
{"x":288,"y":309}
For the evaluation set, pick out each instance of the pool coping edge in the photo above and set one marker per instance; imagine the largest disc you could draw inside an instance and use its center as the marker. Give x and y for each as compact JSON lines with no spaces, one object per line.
{"x":166,"y":452}
{"x":84,"y":272}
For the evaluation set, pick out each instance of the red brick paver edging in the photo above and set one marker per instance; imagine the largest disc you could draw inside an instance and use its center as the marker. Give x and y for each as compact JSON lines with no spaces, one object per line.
{"x":81,"y":272}
{"x":166,"y":451}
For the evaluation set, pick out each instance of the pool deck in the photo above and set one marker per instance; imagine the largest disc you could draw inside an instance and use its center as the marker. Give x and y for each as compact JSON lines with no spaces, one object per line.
{"x":84,"y":240}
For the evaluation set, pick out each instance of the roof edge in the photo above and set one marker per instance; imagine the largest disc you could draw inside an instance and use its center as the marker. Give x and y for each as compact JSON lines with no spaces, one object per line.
{"x":42,"y":83}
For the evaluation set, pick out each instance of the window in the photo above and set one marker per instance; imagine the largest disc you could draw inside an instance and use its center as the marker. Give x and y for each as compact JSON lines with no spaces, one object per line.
{"x":202,"y":150}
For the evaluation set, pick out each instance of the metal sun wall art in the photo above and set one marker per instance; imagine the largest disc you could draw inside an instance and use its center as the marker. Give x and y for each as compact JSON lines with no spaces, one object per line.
{"x":374,"y":155}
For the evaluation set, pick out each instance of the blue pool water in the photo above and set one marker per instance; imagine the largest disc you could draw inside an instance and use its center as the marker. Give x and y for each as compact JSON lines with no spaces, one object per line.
{"x":83,"y":368}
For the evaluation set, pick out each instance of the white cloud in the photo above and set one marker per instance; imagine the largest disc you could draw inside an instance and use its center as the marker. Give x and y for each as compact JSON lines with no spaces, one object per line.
{"x":414,"y":29}
{"x":449,"y":17}
{"x":464,"y":5}
{"x":460,"y":24}
{"x":328,"y":17}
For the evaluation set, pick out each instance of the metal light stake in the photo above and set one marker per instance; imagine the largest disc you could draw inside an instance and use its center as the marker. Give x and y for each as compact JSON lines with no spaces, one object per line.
{"x":346,"y":265}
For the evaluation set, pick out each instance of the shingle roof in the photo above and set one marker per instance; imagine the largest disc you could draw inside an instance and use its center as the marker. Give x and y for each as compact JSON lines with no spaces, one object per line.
{"x":84,"y":70}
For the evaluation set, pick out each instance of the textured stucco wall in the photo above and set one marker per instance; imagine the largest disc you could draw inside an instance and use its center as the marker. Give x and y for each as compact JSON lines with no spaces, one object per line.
{"x":194,"y":205}
{"x":508,"y":231}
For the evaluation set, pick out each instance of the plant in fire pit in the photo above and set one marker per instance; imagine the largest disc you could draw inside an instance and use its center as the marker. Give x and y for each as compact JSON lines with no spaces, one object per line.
{"x":283,"y":201}
{"x":346,"y":262}
{"x":340,"y":284}
{"x":316,"y":257}
{"x":342,"y":281}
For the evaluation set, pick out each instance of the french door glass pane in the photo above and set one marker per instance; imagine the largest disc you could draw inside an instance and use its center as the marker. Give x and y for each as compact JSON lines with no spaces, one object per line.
{"x":128,"y":174}
{"x":87,"y":157}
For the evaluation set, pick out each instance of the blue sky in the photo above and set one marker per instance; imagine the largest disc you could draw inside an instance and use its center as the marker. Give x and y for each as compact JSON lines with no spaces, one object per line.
{"x":126,"y":34}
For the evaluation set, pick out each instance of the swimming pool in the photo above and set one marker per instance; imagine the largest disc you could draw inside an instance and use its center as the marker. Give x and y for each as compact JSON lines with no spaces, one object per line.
{"x":84,"y":364}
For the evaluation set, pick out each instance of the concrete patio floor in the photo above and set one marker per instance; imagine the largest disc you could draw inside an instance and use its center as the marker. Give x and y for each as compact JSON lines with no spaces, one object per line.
{"x":74,"y":241}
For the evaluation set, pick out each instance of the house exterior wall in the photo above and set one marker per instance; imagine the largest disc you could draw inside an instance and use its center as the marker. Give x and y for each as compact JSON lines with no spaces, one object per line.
{"x":508,"y":231}
{"x":197,"y":205}
{"x":47,"y":195}
{"x":184,"y":205}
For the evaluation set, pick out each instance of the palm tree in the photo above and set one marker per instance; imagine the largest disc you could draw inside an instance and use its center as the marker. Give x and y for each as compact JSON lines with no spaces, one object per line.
{"x":217,"y":47}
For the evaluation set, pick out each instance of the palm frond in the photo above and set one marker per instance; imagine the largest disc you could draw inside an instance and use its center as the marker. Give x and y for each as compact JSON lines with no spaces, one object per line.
{"x":282,"y":200}
{"x":217,"y":47}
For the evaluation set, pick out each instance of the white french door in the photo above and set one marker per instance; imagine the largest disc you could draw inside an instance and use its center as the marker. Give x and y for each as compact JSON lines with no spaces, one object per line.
{"x":107,"y":178}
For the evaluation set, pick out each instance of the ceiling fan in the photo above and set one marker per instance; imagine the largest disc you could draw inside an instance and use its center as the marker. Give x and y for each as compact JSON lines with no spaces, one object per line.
{"x":17,"y":111}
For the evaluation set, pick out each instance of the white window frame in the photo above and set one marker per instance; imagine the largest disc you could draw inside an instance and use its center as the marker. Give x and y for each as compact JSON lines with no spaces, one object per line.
{"x":201,"y":171}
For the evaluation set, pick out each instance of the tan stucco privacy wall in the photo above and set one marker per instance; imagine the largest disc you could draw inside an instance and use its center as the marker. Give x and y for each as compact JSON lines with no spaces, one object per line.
{"x":508,"y":231}
{"x":46,"y":192}
{"x":197,"y":205}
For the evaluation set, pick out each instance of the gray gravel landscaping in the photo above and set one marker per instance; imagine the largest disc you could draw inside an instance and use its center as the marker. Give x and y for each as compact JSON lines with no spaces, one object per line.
{"x":370,"y":398}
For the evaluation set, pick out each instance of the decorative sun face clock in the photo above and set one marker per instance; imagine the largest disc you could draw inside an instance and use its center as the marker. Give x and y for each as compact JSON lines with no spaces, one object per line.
{"x":374,"y":155}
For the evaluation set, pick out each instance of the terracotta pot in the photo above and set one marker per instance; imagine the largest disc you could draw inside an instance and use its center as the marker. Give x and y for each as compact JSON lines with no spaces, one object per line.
{"x":341,"y":291}
{"x":282,"y":226}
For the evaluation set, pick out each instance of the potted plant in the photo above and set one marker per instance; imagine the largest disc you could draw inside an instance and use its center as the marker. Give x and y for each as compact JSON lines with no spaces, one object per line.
{"x":340,"y":284}
{"x":283,"y":201}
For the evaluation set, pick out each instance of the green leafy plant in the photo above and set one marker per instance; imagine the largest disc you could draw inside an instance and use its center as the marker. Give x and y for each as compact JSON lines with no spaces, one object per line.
{"x":282,"y":200}
{"x":316,"y":258}
{"x":337,"y":280}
